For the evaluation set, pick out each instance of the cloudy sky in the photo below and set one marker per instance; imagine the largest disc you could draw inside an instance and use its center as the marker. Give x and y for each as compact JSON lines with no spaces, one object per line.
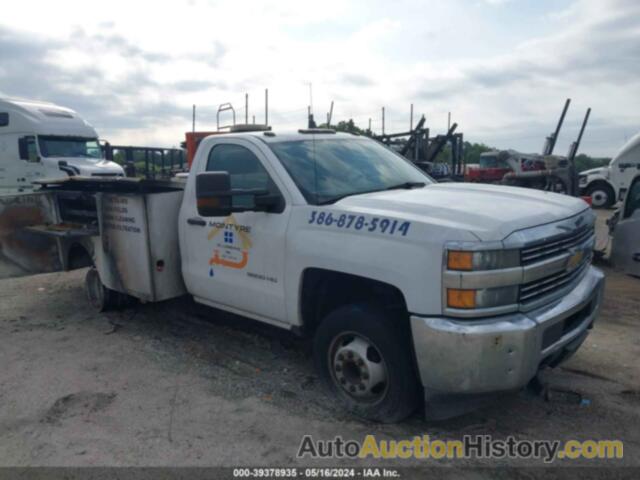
{"x":502,"y":67}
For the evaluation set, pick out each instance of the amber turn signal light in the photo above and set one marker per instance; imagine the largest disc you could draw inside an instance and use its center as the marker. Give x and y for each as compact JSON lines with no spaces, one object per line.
{"x":457,"y":298}
{"x":458,"y":260}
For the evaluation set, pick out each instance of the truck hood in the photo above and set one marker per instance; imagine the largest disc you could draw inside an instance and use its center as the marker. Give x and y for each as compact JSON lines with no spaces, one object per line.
{"x":490,"y":212}
{"x":596,"y":171}
{"x":89,"y":166}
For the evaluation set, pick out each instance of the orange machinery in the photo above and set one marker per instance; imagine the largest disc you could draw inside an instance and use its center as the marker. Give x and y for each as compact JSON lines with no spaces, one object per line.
{"x":193,"y":139}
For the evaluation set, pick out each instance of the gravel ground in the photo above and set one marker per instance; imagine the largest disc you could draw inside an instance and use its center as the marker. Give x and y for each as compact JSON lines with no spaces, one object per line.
{"x":175,"y":384}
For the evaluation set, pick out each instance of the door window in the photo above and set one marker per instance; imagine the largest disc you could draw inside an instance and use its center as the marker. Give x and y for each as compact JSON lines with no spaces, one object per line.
{"x":633,"y":199}
{"x":245,"y":170}
{"x":28,"y":149}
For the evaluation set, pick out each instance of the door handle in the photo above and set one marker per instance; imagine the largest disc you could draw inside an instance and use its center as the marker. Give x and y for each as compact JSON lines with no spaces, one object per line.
{"x":196,"y":221}
{"x":636,"y":257}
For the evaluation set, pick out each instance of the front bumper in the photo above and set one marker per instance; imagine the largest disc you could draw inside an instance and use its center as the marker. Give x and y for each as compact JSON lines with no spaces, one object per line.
{"x":503,"y":353}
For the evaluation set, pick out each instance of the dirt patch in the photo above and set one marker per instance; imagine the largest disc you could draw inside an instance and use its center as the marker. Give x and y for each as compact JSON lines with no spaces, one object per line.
{"x":80,"y":404}
{"x":632,"y":396}
{"x":198,"y":387}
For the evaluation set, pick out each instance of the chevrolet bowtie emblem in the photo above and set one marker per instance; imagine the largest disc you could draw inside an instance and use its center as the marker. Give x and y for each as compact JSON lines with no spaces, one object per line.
{"x":574,"y":260}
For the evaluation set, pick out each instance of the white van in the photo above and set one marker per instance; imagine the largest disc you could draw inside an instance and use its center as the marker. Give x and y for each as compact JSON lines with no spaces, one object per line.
{"x":607,"y":185}
{"x":42,"y":140}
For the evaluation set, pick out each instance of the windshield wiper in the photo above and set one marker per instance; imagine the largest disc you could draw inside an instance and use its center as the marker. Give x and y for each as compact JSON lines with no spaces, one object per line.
{"x":405,"y":185}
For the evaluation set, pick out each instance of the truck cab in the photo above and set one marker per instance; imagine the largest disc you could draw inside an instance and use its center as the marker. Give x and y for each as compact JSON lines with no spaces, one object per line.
{"x":494,"y":165}
{"x":608,"y":185}
{"x":42,"y":140}
{"x":409,"y":288}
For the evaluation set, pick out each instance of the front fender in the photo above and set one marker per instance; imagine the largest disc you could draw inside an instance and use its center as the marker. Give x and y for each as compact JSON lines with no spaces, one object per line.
{"x":411,"y":262}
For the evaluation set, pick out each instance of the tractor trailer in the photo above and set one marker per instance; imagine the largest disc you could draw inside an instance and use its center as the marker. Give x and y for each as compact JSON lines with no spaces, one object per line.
{"x":42,"y":140}
{"x":607,"y":185}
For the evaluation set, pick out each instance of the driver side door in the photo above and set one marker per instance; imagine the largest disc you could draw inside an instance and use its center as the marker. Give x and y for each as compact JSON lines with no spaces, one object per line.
{"x":28,"y":167}
{"x":625,"y":250}
{"x":237,"y":262}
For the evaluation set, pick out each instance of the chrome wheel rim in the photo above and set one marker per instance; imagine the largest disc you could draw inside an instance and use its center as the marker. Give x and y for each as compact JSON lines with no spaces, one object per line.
{"x":358,"y":368}
{"x":598,"y":198}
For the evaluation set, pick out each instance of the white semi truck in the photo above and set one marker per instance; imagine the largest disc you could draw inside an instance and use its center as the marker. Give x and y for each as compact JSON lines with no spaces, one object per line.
{"x":413,"y":292}
{"x":42,"y":140}
{"x":607,"y":185}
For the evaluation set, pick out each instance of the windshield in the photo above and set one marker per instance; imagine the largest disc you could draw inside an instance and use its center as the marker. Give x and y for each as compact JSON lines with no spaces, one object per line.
{"x":51,"y":146}
{"x":492,"y":161}
{"x":330,"y":169}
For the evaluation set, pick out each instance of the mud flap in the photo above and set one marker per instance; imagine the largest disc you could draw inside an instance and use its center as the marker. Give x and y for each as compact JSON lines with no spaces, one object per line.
{"x":24,"y":252}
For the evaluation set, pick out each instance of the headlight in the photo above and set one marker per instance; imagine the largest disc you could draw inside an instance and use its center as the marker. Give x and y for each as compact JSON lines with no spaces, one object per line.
{"x":482,"y":298}
{"x":482,"y":260}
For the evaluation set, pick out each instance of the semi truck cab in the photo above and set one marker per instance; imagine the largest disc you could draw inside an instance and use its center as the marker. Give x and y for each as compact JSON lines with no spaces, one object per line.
{"x":608,"y":185}
{"x":42,"y":140}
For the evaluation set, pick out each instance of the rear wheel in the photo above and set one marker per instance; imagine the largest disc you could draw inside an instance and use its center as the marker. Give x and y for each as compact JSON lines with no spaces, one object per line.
{"x":363,"y":354}
{"x":100,"y":297}
{"x":602,"y":195}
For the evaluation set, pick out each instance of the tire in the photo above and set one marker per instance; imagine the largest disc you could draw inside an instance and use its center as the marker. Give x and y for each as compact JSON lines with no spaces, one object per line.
{"x":364,"y":356}
{"x":100,"y":297}
{"x":602,"y":195}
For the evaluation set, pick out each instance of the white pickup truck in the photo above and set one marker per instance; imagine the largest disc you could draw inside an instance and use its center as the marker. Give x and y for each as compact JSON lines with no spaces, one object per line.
{"x":412,"y":291}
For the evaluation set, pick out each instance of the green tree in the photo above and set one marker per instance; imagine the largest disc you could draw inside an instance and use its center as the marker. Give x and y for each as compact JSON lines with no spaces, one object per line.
{"x":472,"y":151}
{"x":349,"y":126}
{"x":585,"y":162}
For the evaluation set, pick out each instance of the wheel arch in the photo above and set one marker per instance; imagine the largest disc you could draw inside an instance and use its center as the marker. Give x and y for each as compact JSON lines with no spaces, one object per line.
{"x":323,"y":290}
{"x":77,"y":255}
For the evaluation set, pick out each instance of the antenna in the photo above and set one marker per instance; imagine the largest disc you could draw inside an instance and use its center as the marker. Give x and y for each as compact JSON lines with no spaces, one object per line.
{"x":266,"y":106}
{"x":193,"y":119}
{"x":246,"y":108}
{"x":382,"y":120}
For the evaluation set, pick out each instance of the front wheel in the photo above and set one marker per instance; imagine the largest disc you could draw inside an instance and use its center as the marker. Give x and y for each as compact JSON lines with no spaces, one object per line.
{"x":363,"y":354}
{"x":602,"y":195}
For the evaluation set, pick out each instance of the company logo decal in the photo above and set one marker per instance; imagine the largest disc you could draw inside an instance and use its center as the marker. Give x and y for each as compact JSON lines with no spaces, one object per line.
{"x":232,"y":244}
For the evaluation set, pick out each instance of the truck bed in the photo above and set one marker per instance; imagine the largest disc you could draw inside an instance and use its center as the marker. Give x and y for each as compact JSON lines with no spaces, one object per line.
{"x":128,"y":226}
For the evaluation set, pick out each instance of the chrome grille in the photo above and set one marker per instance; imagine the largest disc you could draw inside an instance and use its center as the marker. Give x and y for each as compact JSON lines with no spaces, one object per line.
{"x":554,"y":246}
{"x":537,"y":289}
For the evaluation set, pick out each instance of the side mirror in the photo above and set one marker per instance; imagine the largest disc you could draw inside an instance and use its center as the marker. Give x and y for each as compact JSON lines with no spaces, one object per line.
{"x":213,"y":194}
{"x":214,"y":197}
